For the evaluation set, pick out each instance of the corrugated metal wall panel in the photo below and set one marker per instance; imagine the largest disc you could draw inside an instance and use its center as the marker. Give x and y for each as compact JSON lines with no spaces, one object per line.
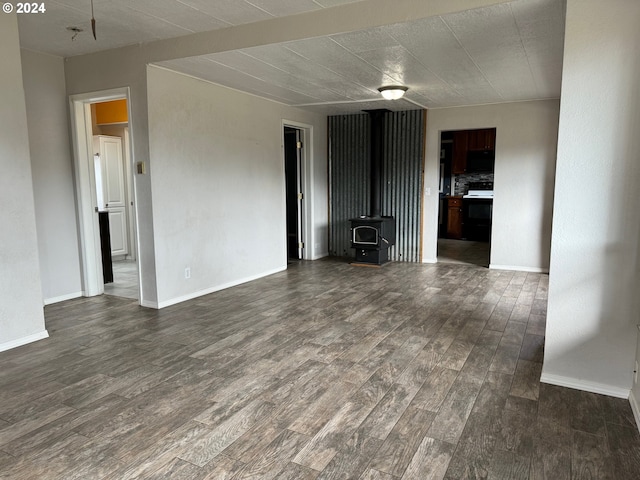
{"x":349,"y":177}
{"x":401,"y":177}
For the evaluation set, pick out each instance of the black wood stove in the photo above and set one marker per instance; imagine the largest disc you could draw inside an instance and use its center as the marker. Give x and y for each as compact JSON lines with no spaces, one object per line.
{"x":372,"y":235}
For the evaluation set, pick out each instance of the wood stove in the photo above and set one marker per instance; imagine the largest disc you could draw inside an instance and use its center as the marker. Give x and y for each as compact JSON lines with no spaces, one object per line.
{"x":372,"y":235}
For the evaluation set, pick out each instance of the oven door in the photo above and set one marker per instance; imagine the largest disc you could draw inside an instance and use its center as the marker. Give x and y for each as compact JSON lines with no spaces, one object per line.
{"x":477,"y":218}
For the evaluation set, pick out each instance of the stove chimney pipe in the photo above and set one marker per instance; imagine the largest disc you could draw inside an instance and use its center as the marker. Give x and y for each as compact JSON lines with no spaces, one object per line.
{"x":376,"y":142}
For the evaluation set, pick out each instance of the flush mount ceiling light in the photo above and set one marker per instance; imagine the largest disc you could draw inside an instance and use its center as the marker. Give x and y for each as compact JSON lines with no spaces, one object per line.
{"x":393,"y":92}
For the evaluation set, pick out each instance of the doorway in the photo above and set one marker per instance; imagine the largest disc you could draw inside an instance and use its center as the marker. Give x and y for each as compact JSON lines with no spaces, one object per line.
{"x":105,"y":193}
{"x":114,"y":189}
{"x":467,"y":161}
{"x":293,"y":190}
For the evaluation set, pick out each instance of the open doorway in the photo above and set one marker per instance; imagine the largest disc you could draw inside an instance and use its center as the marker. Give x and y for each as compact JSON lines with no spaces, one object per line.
{"x":293,"y":190}
{"x":105,"y":193}
{"x":467,"y":161}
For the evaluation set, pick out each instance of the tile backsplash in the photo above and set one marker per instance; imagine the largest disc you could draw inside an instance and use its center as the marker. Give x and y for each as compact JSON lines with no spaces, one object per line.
{"x":462,"y":181}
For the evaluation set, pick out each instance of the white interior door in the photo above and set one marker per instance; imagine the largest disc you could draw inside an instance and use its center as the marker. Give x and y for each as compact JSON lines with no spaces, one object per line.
{"x":114,"y":191}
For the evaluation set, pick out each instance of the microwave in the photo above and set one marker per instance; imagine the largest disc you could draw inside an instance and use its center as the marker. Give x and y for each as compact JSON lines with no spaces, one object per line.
{"x":481,"y":161}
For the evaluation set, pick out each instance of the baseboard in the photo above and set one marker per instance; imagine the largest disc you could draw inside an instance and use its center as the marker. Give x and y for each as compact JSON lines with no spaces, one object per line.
{"x":148,"y":304}
{"x":578,"y":384}
{"x":217,"y":288}
{"x":62,"y":298}
{"x":516,"y":268}
{"x":429,"y":260}
{"x":23,"y":341}
{"x":320,"y":255}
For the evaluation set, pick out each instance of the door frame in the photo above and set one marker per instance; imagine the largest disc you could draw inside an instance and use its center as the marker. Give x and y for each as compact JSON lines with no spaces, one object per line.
{"x":85,"y":186}
{"x":306,"y":183}
{"x":293,"y":137}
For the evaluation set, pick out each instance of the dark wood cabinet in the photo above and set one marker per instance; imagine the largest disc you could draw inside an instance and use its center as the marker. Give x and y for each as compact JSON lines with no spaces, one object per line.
{"x":459,"y":152}
{"x":465,"y":141}
{"x":454,"y":217}
{"x":482,"y":139}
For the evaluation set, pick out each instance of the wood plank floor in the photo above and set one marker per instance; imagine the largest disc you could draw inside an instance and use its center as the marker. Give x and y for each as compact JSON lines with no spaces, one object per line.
{"x":325,"y":371}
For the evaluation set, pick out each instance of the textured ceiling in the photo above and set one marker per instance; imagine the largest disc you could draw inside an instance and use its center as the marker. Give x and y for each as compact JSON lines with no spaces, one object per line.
{"x":502,"y":53}
{"x":127,"y":22}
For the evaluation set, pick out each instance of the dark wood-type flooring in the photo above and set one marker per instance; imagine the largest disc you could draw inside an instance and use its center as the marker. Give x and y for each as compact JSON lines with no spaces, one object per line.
{"x":325,"y":371}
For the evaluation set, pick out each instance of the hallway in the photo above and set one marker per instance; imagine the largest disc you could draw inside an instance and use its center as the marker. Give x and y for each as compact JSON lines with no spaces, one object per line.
{"x":125,"y":280}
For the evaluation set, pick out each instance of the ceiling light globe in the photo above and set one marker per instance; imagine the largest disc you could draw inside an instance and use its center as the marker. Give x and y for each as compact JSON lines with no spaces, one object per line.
{"x":393,"y":92}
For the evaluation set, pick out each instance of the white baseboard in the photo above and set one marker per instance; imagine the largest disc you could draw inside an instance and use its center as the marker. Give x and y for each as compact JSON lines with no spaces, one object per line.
{"x":516,"y":268}
{"x":62,"y":298}
{"x":23,"y":341}
{"x":207,"y":291}
{"x":429,"y":260}
{"x":587,"y":386}
{"x":148,"y":304}
{"x":636,"y":408}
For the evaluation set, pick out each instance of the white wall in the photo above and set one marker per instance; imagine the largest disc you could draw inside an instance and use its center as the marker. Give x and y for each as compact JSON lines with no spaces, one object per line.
{"x":634,"y":397}
{"x":21,"y":312}
{"x":51,"y":165}
{"x":526,"y":140}
{"x":594,"y":277}
{"x":218,"y":183}
{"x":113,"y":69}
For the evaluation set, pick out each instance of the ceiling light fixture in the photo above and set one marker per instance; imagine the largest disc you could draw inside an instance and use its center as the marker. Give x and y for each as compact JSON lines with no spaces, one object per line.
{"x":393,"y":92}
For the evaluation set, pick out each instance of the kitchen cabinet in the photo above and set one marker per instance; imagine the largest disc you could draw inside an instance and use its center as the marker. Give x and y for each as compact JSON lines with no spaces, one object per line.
{"x":465,"y":141}
{"x":459,"y":152}
{"x":482,"y":139}
{"x":454,"y":217}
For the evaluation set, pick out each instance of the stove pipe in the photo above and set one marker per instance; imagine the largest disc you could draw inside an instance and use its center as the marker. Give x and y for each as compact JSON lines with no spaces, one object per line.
{"x":376,"y":148}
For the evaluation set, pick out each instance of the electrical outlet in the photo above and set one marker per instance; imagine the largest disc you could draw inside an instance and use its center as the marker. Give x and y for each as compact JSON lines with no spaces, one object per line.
{"x":427,"y":191}
{"x":187,"y":273}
